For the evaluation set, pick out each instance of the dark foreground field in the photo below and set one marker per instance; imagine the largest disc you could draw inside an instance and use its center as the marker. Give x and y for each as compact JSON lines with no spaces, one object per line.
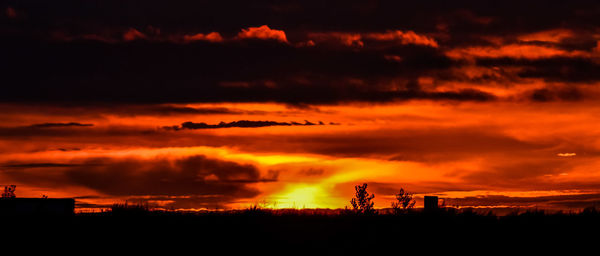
{"x":290,"y":232}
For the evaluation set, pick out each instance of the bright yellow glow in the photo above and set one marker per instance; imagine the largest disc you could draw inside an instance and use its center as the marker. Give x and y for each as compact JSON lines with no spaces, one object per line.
{"x":275,"y":159}
{"x":301,"y":196}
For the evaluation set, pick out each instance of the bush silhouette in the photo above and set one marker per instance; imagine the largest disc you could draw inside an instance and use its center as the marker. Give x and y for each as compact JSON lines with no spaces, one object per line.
{"x":404,"y":201}
{"x":362,"y":202}
{"x":129,"y":209}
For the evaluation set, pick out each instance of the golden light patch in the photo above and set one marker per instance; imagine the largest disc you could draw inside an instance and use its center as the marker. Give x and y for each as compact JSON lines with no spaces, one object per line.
{"x":302,"y":196}
{"x":566,"y":154}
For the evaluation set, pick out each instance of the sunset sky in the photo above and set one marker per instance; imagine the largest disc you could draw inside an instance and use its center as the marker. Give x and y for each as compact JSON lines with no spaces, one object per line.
{"x":222,"y":104}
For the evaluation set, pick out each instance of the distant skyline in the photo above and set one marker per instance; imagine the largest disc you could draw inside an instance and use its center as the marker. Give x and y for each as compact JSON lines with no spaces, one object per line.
{"x":226,"y":104}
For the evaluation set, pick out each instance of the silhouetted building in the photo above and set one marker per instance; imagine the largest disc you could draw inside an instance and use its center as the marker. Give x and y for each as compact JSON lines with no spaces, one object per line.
{"x":37,"y":206}
{"x":431,"y":202}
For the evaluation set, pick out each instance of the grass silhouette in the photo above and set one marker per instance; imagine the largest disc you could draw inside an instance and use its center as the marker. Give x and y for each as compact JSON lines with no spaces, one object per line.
{"x":129,"y":209}
{"x":312,"y":230}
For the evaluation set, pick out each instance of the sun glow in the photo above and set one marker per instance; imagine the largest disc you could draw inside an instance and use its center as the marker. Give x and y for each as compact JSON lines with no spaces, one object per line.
{"x":301,"y":196}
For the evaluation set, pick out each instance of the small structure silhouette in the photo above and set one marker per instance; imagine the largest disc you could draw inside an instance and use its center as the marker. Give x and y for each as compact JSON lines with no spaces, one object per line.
{"x":431,"y":202}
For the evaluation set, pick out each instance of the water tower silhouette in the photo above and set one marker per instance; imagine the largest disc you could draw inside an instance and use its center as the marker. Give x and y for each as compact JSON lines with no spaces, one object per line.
{"x":431,"y":202}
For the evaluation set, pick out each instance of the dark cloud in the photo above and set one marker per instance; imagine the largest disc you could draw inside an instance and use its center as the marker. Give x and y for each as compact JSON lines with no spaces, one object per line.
{"x":563,"y":70}
{"x":240,"y":124}
{"x":58,"y":125}
{"x":68,"y":149}
{"x":429,"y":145}
{"x":176,"y":110}
{"x":521,"y":172}
{"x":115,"y":52}
{"x":150,"y":72}
{"x":574,"y":201}
{"x":229,"y":16}
{"x":38,"y":165}
{"x":426,"y":145}
{"x":163,"y":71}
{"x":566,"y":93}
{"x":64,"y":133}
{"x":552,"y":69}
{"x":100,"y":110}
{"x":195,"y":176}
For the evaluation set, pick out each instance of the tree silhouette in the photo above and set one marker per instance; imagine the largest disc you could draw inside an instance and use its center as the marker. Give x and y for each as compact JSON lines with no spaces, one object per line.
{"x":404,"y":200}
{"x":362,"y":201}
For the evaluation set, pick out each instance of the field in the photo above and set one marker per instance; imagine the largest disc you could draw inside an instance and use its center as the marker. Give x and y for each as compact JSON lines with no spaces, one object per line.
{"x":294,"y":231}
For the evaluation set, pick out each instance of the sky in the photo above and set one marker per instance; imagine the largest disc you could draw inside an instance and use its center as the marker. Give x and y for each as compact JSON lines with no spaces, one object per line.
{"x":289,"y":104}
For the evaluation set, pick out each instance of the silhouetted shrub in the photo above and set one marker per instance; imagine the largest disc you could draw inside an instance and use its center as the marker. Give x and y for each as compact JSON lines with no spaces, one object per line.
{"x":404,"y":201}
{"x":362,"y":202}
{"x":258,"y":208}
{"x":590,"y":211}
{"x":129,"y":209}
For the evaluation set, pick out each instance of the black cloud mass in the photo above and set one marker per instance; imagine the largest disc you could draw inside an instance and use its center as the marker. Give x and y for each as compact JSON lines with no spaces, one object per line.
{"x":131,"y":52}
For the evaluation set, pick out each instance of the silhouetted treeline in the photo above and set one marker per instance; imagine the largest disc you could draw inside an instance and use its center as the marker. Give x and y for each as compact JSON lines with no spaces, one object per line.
{"x":286,"y":230}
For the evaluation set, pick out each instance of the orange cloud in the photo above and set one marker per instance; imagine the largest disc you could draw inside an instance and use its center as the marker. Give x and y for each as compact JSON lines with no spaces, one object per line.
{"x":348,"y":39}
{"x":211,"y":37}
{"x":133,"y":34}
{"x":424,"y":147}
{"x":408,"y":37}
{"x":551,"y":36}
{"x":566,"y":154}
{"x":263,"y":32}
{"x":516,"y":51}
{"x":357,"y":39}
